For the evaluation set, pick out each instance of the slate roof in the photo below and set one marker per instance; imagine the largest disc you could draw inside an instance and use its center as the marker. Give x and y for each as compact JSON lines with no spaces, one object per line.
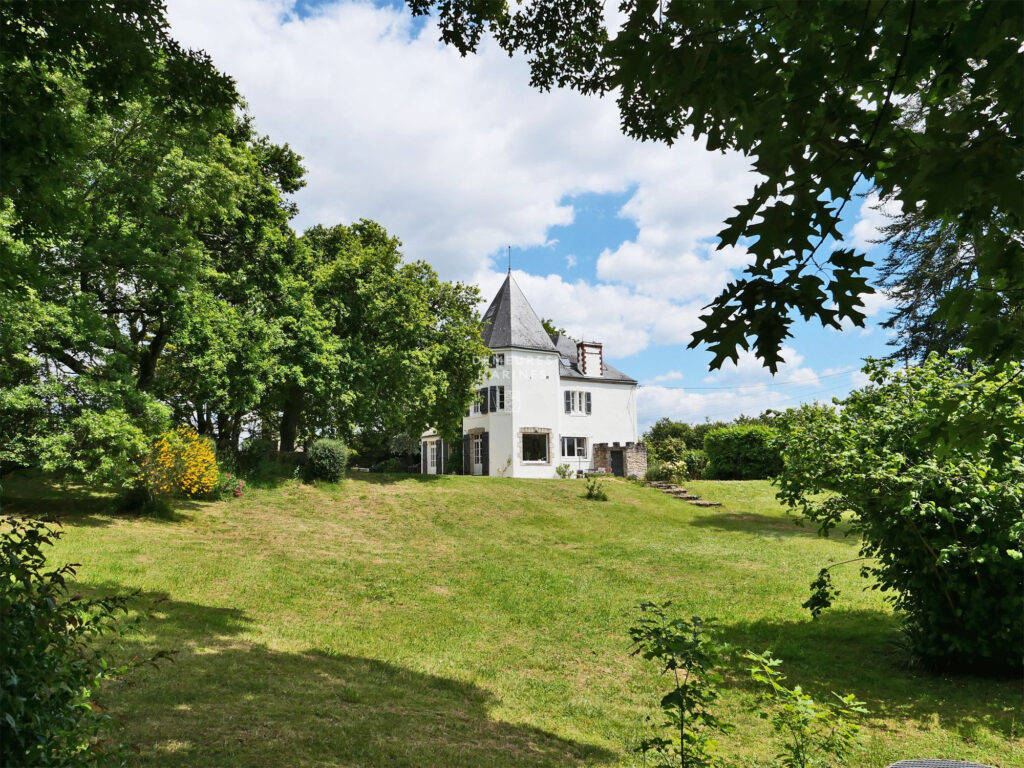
{"x":511,"y":322}
{"x":569,"y":367}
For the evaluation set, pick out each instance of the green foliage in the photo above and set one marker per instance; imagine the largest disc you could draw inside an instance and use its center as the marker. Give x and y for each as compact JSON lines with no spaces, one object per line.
{"x":595,"y":490}
{"x":253,"y":452}
{"x":664,"y":429}
{"x":550,"y":328}
{"x":685,"y":650}
{"x":926,"y":465}
{"x":817,"y":735}
{"x":52,"y":663}
{"x":564,"y":471}
{"x":393,"y":465}
{"x":326,"y":459}
{"x":690,"y":465}
{"x":742,"y":452}
{"x":670,"y":450}
{"x":816,"y":96}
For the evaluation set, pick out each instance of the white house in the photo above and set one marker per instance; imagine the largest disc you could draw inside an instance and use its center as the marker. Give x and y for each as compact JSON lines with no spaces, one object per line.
{"x":545,"y":401}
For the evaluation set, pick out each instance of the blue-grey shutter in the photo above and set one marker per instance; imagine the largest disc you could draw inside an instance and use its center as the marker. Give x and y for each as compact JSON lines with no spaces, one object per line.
{"x":494,"y":398}
{"x":485,"y":454}
{"x":444,"y":456}
{"x":568,"y":401}
{"x":491,"y":361}
{"x":588,"y":402}
{"x":483,"y":400}
{"x":423,"y":457}
{"x":466,"y":458}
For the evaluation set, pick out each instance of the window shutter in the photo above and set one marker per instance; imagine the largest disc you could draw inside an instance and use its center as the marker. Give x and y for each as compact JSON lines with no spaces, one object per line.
{"x":423,"y":457}
{"x":483,"y":400}
{"x":444,"y":456}
{"x":494,"y":398}
{"x":491,"y":361}
{"x":466,"y":458}
{"x":485,"y":454}
{"x":568,"y":402}
{"x":588,"y":402}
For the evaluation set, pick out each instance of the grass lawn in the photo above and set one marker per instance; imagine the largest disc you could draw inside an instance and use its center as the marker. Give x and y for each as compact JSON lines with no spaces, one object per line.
{"x":457,"y":621}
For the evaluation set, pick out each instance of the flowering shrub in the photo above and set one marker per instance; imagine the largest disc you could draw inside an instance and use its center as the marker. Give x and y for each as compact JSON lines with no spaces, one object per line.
{"x":230,"y":485}
{"x":181,"y":463}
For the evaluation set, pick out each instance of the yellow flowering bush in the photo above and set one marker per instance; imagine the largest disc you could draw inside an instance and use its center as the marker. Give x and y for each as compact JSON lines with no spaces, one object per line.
{"x":181,"y":463}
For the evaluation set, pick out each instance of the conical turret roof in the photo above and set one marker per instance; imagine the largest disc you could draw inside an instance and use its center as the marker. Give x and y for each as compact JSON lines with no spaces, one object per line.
{"x":511,"y":322}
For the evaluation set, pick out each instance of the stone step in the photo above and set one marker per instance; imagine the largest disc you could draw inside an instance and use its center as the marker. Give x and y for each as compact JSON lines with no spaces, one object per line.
{"x":687,"y":496}
{"x":705,"y":503}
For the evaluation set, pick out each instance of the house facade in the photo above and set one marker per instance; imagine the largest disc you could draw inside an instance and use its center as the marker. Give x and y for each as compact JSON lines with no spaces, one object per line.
{"x":544,"y":401}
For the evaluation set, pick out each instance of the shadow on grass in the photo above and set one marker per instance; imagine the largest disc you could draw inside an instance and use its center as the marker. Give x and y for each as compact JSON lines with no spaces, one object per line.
{"x":389,"y":478}
{"x":858,"y":652}
{"x":771,"y":526}
{"x":229,"y":702}
{"x":34,"y":495}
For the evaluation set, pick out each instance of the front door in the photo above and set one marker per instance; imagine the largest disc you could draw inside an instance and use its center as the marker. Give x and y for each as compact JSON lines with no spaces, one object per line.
{"x":477,"y":446}
{"x":617,"y":465}
{"x":432,"y":457}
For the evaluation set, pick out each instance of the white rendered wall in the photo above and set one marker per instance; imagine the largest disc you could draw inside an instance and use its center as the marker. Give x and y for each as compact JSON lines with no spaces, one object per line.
{"x":612,"y":418}
{"x":534,"y":400}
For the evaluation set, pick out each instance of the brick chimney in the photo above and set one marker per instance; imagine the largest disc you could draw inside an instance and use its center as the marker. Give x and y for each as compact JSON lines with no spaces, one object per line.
{"x":591,"y":358}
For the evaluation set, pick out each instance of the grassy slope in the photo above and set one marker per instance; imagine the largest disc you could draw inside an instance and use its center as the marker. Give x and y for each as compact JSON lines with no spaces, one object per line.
{"x":478,"y":622}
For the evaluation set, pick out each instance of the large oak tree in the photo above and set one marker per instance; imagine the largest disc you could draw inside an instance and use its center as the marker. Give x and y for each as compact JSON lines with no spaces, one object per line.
{"x":813,"y":93}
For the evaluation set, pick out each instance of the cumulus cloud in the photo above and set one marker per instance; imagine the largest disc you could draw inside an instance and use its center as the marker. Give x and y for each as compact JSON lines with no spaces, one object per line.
{"x":874,"y":214}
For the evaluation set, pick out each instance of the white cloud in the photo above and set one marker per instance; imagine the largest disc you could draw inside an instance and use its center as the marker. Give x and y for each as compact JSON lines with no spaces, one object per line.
{"x":663,"y":377}
{"x":873,"y":216}
{"x":458,"y":156}
{"x":570,"y":261}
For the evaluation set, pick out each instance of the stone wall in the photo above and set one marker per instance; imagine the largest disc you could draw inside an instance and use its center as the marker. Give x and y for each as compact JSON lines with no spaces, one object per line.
{"x":634,"y":457}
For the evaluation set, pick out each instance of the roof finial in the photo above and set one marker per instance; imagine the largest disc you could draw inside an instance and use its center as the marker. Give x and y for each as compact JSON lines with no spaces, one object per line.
{"x":509,"y":259}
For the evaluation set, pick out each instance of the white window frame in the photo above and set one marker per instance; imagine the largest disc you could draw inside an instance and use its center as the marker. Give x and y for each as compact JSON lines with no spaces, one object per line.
{"x":501,"y":398}
{"x":478,"y":450}
{"x":577,"y":402}
{"x":577,"y":443}
{"x":476,"y":405}
{"x":500,"y":358}
{"x":432,"y":454}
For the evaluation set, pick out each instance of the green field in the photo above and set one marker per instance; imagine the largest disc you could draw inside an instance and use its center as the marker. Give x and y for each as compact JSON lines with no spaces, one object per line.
{"x":456,"y":621}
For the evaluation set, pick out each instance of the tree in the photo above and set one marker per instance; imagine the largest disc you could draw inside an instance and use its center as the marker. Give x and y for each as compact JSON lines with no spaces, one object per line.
{"x":371,"y":344}
{"x":928,"y":269}
{"x":550,"y":328}
{"x":62,"y":63}
{"x":813,"y":93}
{"x":939,"y":520}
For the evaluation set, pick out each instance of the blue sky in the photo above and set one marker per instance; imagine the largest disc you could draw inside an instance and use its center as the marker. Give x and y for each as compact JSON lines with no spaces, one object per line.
{"x":612,"y":238}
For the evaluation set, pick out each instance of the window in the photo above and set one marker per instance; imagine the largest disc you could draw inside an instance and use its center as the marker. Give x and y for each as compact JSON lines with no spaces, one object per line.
{"x":574,"y":446}
{"x":432,"y":454}
{"x":478,"y":449}
{"x":577,"y":401}
{"x":535,"y":447}
{"x":501,"y":398}
{"x":476,"y":402}
{"x":495,"y":360}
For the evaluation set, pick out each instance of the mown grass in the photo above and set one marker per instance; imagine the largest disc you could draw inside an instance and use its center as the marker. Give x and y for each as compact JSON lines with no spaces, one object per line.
{"x":412,"y":621}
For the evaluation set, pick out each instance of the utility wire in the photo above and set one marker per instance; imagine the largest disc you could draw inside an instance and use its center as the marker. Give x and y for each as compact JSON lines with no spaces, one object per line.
{"x":760,"y":386}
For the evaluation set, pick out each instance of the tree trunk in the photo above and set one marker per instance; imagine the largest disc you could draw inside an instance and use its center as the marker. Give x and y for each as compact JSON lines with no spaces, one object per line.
{"x":293,"y":404}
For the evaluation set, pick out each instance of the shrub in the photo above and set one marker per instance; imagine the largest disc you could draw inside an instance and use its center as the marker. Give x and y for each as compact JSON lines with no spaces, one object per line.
{"x":326,"y":460}
{"x":393,"y":465}
{"x":51,"y":664}
{"x":669,"y":451}
{"x":742,"y":452}
{"x":926,"y":465}
{"x":181,"y":463}
{"x":685,"y":650}
{"x":254,"y":452}
{"x":817,"y":735}
{"x":595,"y":490}
{"x":230,"y":485}
{"x":564,"y":471}
{"x":693,"y":464}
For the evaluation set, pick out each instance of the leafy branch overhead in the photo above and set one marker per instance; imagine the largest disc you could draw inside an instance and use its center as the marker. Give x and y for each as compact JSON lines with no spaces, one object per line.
{"x":816,"y":96}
